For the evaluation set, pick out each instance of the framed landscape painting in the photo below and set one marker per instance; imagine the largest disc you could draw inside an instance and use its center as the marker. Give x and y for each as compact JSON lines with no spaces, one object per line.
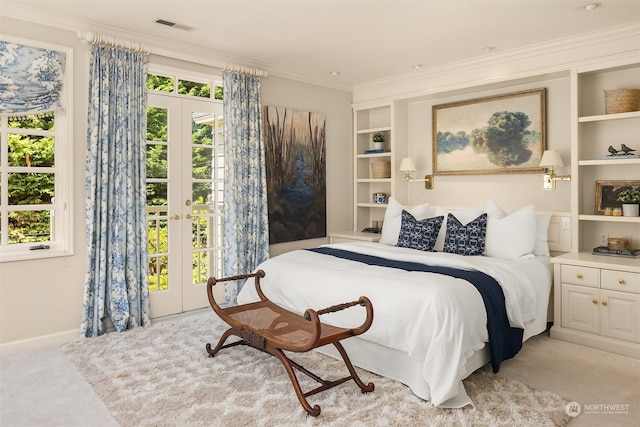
{"x":295,"y":156}
{"x":497,"y":134}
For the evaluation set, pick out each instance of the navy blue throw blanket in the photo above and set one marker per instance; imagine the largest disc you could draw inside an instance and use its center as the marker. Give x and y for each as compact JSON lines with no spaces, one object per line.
{"x":504,"y":341}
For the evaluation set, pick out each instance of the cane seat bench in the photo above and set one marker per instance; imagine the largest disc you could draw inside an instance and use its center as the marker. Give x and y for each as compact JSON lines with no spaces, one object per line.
{"x":270,"y":328}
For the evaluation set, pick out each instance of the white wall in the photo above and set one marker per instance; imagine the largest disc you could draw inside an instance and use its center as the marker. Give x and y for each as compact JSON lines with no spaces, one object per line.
{"x":41,"y":300}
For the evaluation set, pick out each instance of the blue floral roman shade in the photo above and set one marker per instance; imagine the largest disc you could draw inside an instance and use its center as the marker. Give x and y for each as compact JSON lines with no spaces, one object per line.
{"x":31,"y":79}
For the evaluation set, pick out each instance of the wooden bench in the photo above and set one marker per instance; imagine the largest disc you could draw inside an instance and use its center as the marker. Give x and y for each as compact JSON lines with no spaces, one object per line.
{"x":273,"y":329}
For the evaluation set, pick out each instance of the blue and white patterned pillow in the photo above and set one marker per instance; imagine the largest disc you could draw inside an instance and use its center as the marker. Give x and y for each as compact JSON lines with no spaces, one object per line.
{"x":466,"y":239}
{"x":420,"y":235}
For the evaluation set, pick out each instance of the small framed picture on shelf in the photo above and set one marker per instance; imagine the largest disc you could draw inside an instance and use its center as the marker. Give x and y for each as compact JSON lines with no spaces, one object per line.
{"x":607,"y":193}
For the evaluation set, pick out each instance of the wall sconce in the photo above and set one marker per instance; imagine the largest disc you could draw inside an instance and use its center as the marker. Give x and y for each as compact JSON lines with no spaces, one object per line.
{"x":551,"y":159}
{"x":407,"y":166}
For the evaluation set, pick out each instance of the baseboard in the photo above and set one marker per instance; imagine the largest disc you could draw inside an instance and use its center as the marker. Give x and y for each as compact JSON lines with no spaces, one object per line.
{"x":35,"y":343}
{"x":595,"y":341}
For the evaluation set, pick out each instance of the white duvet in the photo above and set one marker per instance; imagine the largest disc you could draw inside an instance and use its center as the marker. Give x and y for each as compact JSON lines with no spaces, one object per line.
{"x":435,"y":318}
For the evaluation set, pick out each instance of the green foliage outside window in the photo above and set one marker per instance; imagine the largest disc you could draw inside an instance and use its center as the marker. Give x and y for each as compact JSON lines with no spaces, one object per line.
{"x":30,"y":188}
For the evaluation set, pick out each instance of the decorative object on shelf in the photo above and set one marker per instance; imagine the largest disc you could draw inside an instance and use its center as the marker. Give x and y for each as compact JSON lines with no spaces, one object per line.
{"x":619,"y":243}
{"x":621,"y":100}
{"x":407,"y":166}
{"x":630,"y":200}
{"x":625,"y":253}
{"x":607,"y":193}
{"x":510,"y":138}
{"x":623,"y":153}
{"x":378,"y":140}
{"x":379,"y":198}
{"x":381,"y":169}
{"x":627,"y":150}
{"x":376,"y":151}
{"x":551,"y":159}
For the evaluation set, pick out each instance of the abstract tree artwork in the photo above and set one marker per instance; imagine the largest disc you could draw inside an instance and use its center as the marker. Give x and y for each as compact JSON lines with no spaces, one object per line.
{"x":498,"y":134}
{"x":296,"y":174}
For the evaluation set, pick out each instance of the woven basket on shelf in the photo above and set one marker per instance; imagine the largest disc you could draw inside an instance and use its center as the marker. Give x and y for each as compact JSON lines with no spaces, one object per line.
{"x":621,"y":100}
{"x":381,"y":169}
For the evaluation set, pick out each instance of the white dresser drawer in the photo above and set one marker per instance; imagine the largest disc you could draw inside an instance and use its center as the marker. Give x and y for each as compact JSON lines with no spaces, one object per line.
{"x":620,"y":281}
{"x":578,"y":275}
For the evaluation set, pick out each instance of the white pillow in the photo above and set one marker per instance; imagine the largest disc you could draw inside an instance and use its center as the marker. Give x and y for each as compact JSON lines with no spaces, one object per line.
{"x":513,"y":236}
{"x":463,"y":215}
{"x":393,"y":220}
{"x":541,"y":246}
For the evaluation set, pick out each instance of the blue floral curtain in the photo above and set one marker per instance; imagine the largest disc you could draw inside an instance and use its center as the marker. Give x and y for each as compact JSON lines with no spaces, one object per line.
{"x":31,"y":79}
{"x":246,"y":232}
{"x":116,"y":280}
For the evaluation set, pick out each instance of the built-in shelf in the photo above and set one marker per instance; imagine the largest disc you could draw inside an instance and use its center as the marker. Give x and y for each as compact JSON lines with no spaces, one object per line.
{"x":603,"y":117}
{"x":609,"y":218}
{"x":374,"y":130}
{"x":372,"y":155}
{"x":369,"y":180}
{"x":600,"y":162}
{"x":372,"y":205}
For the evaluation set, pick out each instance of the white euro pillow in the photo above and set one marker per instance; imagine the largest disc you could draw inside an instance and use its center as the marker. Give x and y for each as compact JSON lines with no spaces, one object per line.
{"x":393,"y":220}
{"x":511,"y":236}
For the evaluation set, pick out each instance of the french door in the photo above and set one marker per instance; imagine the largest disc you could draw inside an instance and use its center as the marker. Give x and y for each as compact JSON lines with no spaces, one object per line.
{"x":185,"y":175}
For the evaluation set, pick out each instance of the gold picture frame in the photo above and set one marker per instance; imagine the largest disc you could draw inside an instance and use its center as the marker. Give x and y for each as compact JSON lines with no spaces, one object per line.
{"x":607,"y":193}
{"x":469,"y":137}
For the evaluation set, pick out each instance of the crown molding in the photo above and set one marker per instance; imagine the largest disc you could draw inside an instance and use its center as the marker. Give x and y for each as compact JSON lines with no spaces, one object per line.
{"x":162,"y":47}
{"x":552,"y":57}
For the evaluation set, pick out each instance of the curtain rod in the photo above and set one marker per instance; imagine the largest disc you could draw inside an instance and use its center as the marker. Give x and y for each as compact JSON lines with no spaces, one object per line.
{"x":103,"y":39}
{"x":97,"y":38}
{"x":243,"y":69}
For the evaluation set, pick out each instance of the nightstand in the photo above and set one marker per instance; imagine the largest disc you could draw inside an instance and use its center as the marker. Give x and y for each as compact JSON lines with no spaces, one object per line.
{"x":353,"y":236}
{"x":597,"y":302}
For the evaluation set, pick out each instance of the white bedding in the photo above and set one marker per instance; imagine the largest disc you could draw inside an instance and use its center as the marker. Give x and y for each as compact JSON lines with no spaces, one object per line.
{"x":435,"y":319}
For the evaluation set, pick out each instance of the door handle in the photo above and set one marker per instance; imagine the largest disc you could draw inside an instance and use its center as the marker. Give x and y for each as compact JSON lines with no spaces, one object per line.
{"x":188,"y":216}
{"x":175,"y":217}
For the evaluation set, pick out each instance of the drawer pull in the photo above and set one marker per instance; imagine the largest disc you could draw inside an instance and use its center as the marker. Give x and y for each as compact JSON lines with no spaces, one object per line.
{"x":621,"y":281}
{"x":579,"y":276}
{"x":595,"y":301}
{"x":604,"y":303}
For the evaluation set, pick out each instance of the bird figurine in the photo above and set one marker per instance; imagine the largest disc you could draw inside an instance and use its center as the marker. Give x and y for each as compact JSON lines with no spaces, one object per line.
{"x":627,"y":150}
{"x":613,"y":151}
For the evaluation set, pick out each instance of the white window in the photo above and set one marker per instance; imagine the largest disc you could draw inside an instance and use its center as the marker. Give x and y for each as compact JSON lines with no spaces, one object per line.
{"x":36,"y":176}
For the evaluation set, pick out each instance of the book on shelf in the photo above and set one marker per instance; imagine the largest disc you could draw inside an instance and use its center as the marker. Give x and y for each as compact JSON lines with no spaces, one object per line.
{"x":375,"y":151}
{"x":626,"y":253}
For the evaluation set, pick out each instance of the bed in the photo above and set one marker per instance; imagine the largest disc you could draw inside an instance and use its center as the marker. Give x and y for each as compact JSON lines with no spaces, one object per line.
{"x":430,"y":330}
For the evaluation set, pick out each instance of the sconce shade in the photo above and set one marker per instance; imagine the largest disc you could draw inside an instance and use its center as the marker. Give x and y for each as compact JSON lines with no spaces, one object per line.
{"x":406,"y":165}
{"x":551,"y":159}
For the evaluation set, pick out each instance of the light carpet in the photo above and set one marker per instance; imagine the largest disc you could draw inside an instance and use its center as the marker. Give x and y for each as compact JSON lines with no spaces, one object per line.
{"x":162,"y":376}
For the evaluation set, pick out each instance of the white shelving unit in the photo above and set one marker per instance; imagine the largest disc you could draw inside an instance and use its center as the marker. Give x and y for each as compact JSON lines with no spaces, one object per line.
{"x":597,"y":298}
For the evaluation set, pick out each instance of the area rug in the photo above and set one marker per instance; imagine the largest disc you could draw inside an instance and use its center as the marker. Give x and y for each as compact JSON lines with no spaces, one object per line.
{"x":162,"y":376}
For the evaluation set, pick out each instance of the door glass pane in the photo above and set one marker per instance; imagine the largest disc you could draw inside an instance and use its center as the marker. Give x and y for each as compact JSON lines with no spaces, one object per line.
{"x":157,"y":190}
{"x":201,"y":159}
{"x":186,"y":87}
{"x":159,"y":83}
{"x":202,"y":129}
{"x":157,"y":161}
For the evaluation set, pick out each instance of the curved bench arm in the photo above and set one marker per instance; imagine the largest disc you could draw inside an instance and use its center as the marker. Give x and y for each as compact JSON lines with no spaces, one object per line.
{"x":362,"y":301}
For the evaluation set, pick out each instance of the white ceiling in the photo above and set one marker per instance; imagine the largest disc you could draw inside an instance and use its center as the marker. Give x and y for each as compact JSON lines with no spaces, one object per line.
{"x":364,"y":40}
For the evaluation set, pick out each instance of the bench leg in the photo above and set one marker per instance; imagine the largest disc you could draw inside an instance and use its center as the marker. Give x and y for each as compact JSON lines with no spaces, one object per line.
{"x":315,"y":411}
{"x":366,"y":388}
{"x":224,"y":337}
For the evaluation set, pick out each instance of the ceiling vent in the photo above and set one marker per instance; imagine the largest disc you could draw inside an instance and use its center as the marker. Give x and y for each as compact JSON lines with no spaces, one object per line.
{"x":173,"y":24}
